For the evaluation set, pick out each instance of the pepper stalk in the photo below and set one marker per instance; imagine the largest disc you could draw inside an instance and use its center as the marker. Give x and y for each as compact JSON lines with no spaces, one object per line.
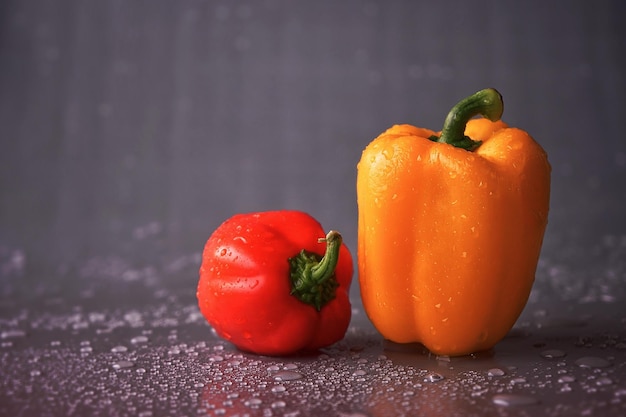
{"x":313,"y":277}
{"x":487,"y":103}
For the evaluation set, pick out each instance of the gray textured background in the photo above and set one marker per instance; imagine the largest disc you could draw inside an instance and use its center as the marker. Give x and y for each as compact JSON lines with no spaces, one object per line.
{"x":133,"y":128}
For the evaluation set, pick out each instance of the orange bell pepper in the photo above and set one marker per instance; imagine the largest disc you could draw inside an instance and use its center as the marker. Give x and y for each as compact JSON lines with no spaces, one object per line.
{"x":450,"y":228}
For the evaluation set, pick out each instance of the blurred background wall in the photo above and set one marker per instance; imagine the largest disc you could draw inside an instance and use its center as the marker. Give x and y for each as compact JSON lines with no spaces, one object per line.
{"x":134,"y":128}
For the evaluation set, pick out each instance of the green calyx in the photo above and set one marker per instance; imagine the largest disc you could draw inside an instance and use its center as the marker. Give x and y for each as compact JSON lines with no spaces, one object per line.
{"x":487,"y":103}
{"x":312,"y":276}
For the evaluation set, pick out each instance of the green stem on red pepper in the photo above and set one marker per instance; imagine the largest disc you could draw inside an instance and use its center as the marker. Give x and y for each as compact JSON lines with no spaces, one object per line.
{"x":487,"y":103}
{"x":313,"y":277}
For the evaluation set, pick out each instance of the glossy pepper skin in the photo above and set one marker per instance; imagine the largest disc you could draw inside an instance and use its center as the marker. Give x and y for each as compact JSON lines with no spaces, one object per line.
{"x":449,"y":234}
{"x":270,"y":285}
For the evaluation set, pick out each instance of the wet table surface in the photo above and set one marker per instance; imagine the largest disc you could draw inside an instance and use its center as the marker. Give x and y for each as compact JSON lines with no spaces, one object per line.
{"x":129,"y":131}
{"x":130,"y":342}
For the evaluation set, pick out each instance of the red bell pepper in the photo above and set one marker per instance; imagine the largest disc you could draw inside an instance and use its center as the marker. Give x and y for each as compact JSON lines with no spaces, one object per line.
{"x":272,"y":284}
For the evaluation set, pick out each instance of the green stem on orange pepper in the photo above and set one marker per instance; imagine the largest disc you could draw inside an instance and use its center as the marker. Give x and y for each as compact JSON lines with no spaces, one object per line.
{"x":487,"y":103}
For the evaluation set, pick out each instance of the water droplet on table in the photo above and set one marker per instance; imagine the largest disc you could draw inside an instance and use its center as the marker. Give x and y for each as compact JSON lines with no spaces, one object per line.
{"x":553,"y":354}
{"x":138,"y":339}
{"x":14,"y":333}
{"x":279,"y":388}
{"x":592,"y":362}
{"x":253,"y":402}
{"x":518,"y":380}
{"x":496,"y":372}
{"x":122,"y":365}
{"x":119,"y":349}
{"x":433,"y":377}
{"x":278,"y":404}
{"x":602,"y":381}
{"x":288,"y":376}
{"x":514,"y":400}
